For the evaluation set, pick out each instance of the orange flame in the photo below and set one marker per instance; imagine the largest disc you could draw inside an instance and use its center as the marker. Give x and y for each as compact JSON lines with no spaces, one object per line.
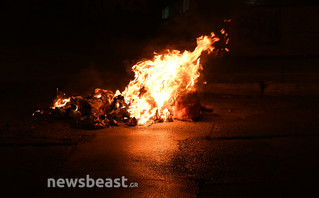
{"x":60,"y":102}
{"x":158,"y":82}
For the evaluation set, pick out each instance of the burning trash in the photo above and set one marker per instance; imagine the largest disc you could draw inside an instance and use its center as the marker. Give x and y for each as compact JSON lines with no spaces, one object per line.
{"x":100,"y":109}
{"x":163,"y":90}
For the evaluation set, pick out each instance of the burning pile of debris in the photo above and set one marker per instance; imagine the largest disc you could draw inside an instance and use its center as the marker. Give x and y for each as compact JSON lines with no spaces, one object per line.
{"x":163,"y":90}
{"x":103,"y":109}
{"x":100,"y":109}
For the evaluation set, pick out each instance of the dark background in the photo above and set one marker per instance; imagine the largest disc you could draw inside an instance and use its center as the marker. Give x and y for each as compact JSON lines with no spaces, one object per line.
{"x":63,"y":43}
{"x":110,"y":32}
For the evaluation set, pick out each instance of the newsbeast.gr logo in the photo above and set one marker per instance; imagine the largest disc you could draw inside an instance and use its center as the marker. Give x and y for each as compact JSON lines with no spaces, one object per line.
{"x":88,"y":182}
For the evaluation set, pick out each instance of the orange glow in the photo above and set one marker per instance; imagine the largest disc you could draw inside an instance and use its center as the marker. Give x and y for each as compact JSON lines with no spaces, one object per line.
{"x":158,"y":82}
{"x":60,"y":102}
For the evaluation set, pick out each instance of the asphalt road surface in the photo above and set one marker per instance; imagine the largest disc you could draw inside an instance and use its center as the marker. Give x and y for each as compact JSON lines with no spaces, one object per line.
{"x":248,"y":147}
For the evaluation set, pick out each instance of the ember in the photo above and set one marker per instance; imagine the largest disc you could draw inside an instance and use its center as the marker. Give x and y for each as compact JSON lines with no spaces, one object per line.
{"x":163,"y":89}
{"x":99,"y":110}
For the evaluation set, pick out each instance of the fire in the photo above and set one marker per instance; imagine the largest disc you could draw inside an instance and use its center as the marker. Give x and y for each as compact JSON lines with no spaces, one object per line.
{"x":60,"y":102}
{"x":158,"y":82}
{"x":163,"y":89}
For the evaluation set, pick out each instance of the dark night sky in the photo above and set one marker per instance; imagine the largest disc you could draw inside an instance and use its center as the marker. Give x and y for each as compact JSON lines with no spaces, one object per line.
{"x":35,"y":21}
{"x":86,"y":22}
{"x":72,"y":20}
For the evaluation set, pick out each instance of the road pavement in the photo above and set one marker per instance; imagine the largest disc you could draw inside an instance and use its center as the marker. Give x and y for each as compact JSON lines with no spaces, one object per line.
{"x":248,"y":147}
